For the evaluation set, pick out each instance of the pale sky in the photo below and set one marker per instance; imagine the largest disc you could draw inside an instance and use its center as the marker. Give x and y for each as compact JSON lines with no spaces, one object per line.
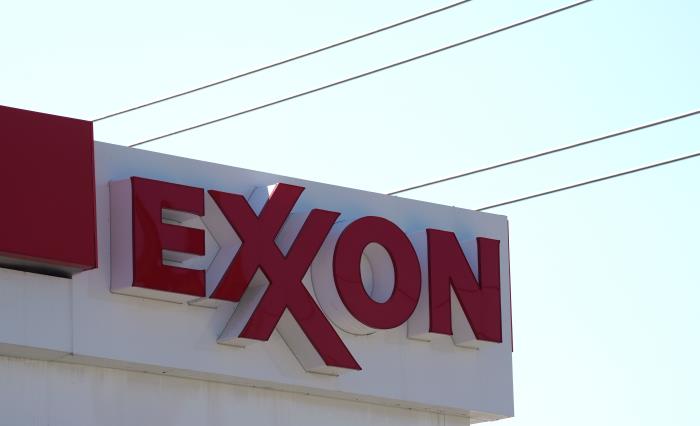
{"x":605,"y":278}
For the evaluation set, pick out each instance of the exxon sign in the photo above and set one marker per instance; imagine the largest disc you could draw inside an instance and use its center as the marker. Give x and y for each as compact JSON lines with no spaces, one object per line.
{"x":389,"y":299}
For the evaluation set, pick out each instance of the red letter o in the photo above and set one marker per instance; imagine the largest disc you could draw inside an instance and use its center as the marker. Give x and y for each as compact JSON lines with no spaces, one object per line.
{"x":346,"y":271}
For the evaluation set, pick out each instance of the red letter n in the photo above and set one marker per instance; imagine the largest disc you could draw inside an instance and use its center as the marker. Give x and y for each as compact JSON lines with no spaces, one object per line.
{"x":480,"y":299}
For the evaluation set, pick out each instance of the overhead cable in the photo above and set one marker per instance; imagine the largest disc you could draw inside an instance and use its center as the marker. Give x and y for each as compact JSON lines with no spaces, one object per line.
{"x":368,"y":73}
{"x":549,"y":152}
{"x":589,"y":182}
{"x":288,"y":60}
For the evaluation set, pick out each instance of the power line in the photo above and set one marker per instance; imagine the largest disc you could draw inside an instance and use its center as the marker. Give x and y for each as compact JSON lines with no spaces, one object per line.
{"x":368,"y":73}
{"x":588,"y":182}
{"x":288,"y":60}
{"x":549,"y":152}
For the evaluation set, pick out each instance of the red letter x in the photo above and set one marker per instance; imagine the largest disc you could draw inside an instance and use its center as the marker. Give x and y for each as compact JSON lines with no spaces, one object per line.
{"x":284,"y":273}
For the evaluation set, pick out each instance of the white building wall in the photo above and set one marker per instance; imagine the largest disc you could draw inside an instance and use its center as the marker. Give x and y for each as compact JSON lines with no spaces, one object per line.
{"x":47,"y":393}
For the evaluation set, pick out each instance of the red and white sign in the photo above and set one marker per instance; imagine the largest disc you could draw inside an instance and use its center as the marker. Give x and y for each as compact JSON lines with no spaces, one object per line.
{"x":150,"y":251}
{"x":274,"y":279}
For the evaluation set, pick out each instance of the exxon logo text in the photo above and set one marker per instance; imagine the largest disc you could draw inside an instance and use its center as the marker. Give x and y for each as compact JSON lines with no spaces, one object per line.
{"x":184,"y":244}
